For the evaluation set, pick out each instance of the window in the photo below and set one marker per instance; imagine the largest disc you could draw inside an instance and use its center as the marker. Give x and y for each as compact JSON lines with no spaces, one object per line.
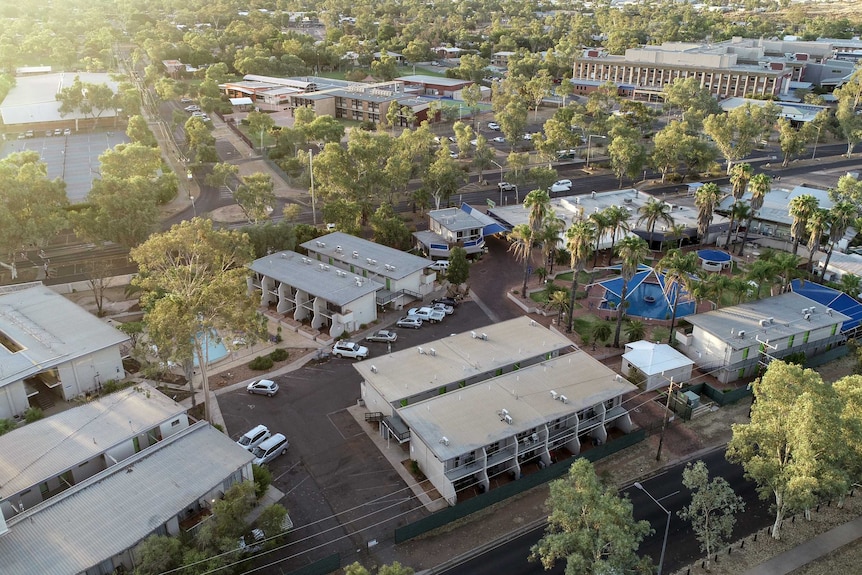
{"x":175,"y":423}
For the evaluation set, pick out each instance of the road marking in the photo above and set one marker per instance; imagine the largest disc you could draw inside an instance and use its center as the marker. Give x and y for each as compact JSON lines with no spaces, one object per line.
{"x":286,"y":471}
{"x":297,"y":485}
{"x":669,"y":495}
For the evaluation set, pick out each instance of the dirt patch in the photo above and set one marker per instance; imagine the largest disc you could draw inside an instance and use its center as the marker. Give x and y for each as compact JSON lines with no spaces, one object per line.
{"x":236,"y":374}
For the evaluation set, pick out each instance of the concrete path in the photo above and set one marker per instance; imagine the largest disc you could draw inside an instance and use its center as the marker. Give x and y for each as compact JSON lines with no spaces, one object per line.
{"x":804,"y":554}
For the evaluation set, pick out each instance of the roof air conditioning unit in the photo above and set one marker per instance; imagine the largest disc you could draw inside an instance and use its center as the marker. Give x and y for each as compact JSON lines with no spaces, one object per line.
{"x":473,"y":334}
{"x":564,"y":399}
{"x":433,"y":352}
{"x":444,"y":440}
{"x":741,"y":333}
{"x":504,"y":412}
{"x":355,"y":254}
{"x":420,"y":350}
{"x":485,"y":336}
{"x":368,"y":261}
{"x":812,"y":309}
{"x":373,"y":369}
{"x":534,"y":437}
{"x":807,"y":317}
{"x":323,"y":244}
{"x":554,"y":394}
{"x":508,"y":419}
{"x":764,"y":322}
{"x":627,"y":200}
{"x":829,"y":311}
{"x":338,"y":249}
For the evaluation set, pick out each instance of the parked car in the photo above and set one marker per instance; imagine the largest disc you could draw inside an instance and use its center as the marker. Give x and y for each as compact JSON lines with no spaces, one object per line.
{"x":254,"y":437}
{"x":450,"y":301}
{"x":67,"y":132}
{"x":411,"y":322}
{"x":440,"y":266}
{"x":427,"y":314}
{"x":454,"y":155}
{"x":506,"y":187}
{"x":499,"y":139}
{"x":567,"y":154}
{"x":561,"y":186}
{"x":193,"y":108}
{"x":382,"y":335}
{"x":447,"y":309}
{"x":494,"y":126}
{"x":349,"y":349}
{"x":58,"y":131}
{"x":30,"y":134}
{"x":527,"y":136}
{"x":186,"y":100}
{"x":263,"y":387}
{"x":270,"y":449}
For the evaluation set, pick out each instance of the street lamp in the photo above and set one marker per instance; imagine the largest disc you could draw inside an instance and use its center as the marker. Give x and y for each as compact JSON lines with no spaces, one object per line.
{"x":666,"y":527}
{"x":589,"y":142}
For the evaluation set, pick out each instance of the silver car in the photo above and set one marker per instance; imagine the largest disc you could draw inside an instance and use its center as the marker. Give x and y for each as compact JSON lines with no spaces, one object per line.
{"x":263,"y":387}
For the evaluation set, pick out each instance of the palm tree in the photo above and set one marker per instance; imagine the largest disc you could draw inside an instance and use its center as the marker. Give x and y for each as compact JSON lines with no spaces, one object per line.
{"x":740,"y":174}
{"x":739,"y":287}
{"x":521,"y":239}
{"x":760,"y":185}
{"x":786,"y":266}
{"x":633,"y":250}
{"x":618,"y":222}
{"x":579,"y":243}
{"x":841,"y":216}
{"x":851,"y":285}
{"x":602,"y":225}
{"x":817,"y":225}
{"x":559,"y":302}
{"x":549,"y":238}
{"x":538,"y":205}
{"x":740,"y":211}
{"x":677,"y":232}
{"x":652,"y":212}
{"x":801,"y":208}
{"x":762,"y":273}
{"x":601,"y":331}
{"x":714,"y":287}
{"x":635,"y":330}
{"x":706,"y":198}
{"x":679,"y":271}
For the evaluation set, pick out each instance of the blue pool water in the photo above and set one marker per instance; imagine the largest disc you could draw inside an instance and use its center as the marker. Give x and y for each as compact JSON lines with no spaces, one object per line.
{"x":648,"y":300}
{"x":215,"y":348}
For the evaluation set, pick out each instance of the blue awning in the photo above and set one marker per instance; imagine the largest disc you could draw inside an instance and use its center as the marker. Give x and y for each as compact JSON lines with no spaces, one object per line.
{"x":489,"y":225}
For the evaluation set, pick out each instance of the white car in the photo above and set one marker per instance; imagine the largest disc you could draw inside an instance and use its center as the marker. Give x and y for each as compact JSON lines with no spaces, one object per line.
{"x":453,"y":155}
{"x":494,"y":126}
{"x":349,"y":349}
{"x":263,"y":387}
{"x":474,"y":143}
{"x":527,"y":136}
{"x":499,"y":140}
{"x":426,"y":314}
{"x":440,"y":266}
{"x":561,"y":186}
{"x":506,"y":187}
{"x":193,"y":108}
{"x":447,"y":309}
{"x":254,"y":437}
{"x":409,"y":321}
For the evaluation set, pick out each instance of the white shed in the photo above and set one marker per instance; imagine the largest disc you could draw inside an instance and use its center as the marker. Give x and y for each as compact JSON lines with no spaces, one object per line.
{"x":658,"y":362}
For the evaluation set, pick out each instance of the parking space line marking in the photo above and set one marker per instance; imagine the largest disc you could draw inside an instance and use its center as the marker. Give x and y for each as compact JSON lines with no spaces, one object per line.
{"x":286,"y":471}
{"x":297,"y":485}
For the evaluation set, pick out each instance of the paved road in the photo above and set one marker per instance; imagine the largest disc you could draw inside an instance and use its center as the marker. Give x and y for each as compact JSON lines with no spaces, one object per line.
{"x":667,"y":488}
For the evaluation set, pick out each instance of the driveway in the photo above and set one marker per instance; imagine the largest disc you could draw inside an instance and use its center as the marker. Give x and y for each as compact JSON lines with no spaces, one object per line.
{"x":495,"y":275}
{"x":332,"y":466}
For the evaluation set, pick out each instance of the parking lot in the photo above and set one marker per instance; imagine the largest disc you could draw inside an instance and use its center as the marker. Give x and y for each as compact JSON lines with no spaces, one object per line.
{"x":339,"y":489}
{"x":73,"y":158}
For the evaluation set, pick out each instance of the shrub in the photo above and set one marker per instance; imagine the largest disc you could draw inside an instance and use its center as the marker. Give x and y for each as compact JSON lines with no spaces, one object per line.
{"x":261,"y":363}
{"x":33,"y":414}
{"x":262,"y":479}
{"x":279,"y":354}
{"x":111,"y":386}
{"x":6,"y":425}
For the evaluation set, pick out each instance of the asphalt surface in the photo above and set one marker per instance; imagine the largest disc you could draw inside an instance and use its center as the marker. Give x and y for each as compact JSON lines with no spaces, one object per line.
{"x":332,"y":467}
{"x":682,"y":546}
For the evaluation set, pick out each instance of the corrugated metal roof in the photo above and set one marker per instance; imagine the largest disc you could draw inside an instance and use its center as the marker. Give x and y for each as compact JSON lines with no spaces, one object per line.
{"x":401,"y":263}
{"x":43,"y":449}
{"x":51,"y":330}
{"x":114,"y":510}
{"x":33,"y":98}
{"x":317,"y":278}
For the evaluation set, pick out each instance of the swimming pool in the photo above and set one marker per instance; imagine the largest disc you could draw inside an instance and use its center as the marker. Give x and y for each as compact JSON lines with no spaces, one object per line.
{"x":215,"y":348}
{"x":648,"y":300}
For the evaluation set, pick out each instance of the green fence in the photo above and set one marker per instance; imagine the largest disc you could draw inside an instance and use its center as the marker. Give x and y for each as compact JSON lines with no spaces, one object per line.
{"x":321,"y":567}
{"x":720,"y":396}
{"x":503,"y":492}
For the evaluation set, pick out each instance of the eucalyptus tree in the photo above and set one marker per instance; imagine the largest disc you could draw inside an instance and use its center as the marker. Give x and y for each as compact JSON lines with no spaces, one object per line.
{"x":579,"y":243}
{"x":801,"y":208}
{"x":760,"y":186}
{"x":632,"y":250}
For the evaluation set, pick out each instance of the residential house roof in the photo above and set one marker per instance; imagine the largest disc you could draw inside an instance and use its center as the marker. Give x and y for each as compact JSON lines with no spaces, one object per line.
{"x":114,"y":510}
{"x":401,"y":264}
{"x":472,"y":417}
{"x":652,"y":358}
{"x":41,"y":450}
{"x":41,"y":329}
{"x":315,"y":278}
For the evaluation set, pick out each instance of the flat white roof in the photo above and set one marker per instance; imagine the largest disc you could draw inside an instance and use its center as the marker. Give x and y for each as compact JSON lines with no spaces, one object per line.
{"x":117,"y":508}
{"x":47,"y":330}
{"x":788,"y":319}
{"x":470,"y":418}
{"x":41,"y":450}
{"x":460,"y":356}
{"x":33,"y":98}
{"x":340,"y":246}
{"x":318,"y":279}
{"x":776,"y":201}
{"x":455,"y":219}
{"x":433,"y":80}
{"x":652,"y":358}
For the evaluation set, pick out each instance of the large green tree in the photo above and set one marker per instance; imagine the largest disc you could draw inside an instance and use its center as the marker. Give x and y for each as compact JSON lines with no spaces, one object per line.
{"x":786,"y":447}
{"x":194,"y":281}
{"x":590,"y":527}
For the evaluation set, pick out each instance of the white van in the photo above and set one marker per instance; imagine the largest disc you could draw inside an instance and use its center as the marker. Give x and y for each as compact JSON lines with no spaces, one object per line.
{"x":270,"y":449}
{"x":440,"y":266}
{"x":254,"y":437}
